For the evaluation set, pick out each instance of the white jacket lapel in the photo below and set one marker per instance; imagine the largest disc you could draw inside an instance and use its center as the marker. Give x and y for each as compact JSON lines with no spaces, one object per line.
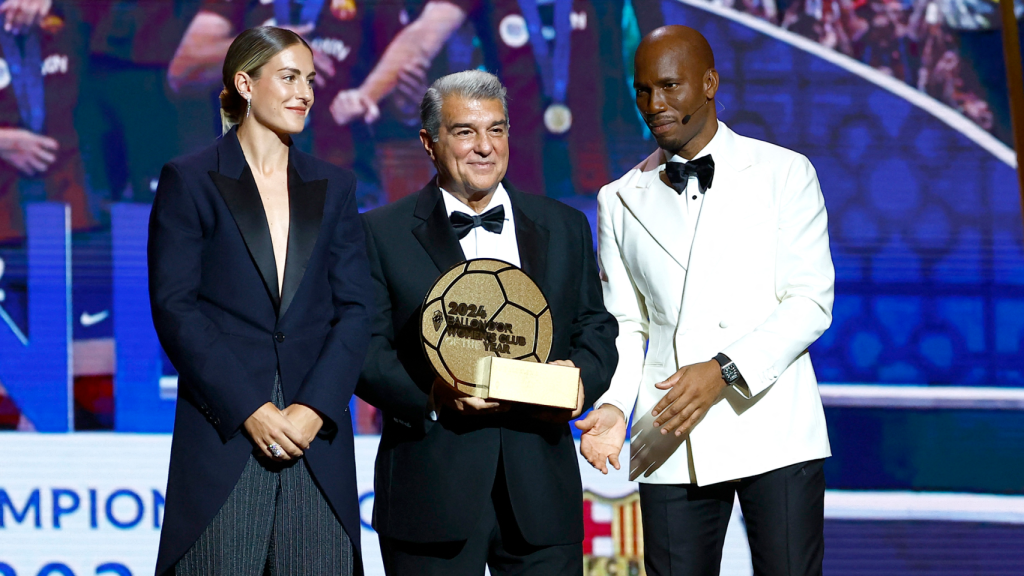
{"x":656,"y":208}
{"x":731,"y":159}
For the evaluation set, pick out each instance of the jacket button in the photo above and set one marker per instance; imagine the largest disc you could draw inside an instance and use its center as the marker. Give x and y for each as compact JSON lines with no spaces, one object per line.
{"x":723,"y":324}
{"x":279,"y":336}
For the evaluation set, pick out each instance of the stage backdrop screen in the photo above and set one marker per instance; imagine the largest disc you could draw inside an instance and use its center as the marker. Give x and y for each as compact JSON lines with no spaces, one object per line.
{"x":901,"y":107}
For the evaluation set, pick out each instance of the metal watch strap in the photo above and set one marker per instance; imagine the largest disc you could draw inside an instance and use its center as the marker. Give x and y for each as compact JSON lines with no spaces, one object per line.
{"x":730,"y":373}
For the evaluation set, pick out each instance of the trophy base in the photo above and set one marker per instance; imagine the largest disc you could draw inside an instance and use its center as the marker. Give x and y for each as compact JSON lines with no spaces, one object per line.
{"x":526,"y":382}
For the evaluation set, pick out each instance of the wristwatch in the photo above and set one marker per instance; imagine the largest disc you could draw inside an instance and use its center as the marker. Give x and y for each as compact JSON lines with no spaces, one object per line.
{"x":730,"y":373}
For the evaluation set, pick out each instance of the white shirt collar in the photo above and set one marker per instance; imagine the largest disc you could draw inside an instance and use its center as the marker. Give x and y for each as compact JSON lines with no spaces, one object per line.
{"x":499,"y":198}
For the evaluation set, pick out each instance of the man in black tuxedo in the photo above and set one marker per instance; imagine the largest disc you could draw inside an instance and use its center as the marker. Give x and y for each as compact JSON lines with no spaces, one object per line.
{"x":460,"y":481}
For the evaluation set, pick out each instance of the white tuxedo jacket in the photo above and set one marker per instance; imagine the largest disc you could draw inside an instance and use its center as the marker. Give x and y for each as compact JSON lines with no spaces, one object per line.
{"x":756,"y":284}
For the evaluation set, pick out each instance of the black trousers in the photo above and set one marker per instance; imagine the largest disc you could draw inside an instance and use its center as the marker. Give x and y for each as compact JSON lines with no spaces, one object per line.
{"x":684,"y":524}
{"x":496,"y":543}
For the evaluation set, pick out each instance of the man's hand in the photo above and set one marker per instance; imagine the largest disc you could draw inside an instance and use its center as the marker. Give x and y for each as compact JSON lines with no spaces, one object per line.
{"x":22,"y":14}
{"x":580,"y":394}
{"x":691,"y":392}
{"x":351,"y":104}
{"x":443,"y":394}
{"x":604,"y":431}
{"x":29,"y":152}
{"x":268,"y":425}
{"x":560,"y":415}
{"x":306,"y":420}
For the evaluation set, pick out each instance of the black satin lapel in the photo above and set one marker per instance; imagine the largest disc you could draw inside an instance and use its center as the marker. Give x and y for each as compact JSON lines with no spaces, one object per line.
{"x":436,"y":233}
{"x":532,"y":240}
{"x":306,"y":212}
{"x":243,"y":200}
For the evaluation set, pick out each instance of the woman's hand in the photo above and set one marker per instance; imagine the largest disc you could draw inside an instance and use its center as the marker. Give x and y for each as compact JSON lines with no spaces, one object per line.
{"x":306,"y":420}
{"x":268,"y":425}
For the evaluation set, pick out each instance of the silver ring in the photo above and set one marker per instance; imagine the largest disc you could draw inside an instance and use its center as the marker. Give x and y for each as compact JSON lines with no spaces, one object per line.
{"x":275,"y":450}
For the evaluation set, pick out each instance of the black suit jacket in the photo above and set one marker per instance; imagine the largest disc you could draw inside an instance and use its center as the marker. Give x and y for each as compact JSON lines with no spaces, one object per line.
{"x":213,"y":289}
{"x":433,"y":478}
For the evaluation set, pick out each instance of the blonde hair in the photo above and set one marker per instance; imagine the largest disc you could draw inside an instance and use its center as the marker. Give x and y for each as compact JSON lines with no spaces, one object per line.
{"x":248,"y":53}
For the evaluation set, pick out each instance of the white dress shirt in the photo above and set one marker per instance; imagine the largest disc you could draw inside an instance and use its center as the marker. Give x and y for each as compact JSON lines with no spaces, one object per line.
{"x":480,"y":243}
{"x":691,"y":201}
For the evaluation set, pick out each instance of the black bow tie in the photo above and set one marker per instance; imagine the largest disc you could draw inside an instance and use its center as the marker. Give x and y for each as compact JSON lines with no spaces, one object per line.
{"x":679,"y":173}
{"x":493,"y":221}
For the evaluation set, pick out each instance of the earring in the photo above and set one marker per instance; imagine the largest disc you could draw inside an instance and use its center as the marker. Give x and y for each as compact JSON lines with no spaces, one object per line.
{"x":248,"y":106}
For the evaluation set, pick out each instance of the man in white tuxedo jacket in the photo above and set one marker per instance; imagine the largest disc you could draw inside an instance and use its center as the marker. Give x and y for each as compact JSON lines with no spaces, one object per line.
{"x":715,"y":261}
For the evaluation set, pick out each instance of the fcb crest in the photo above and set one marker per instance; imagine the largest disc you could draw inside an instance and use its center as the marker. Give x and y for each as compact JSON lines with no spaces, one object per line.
{"x":613,"y":540}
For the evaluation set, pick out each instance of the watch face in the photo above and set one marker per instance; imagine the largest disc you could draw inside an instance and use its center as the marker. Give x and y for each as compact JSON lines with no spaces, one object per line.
{"x":729,"y":373}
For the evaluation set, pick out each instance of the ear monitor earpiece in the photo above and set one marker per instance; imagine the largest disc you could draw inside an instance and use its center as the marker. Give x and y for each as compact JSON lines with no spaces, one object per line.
{"x":686,"y":119}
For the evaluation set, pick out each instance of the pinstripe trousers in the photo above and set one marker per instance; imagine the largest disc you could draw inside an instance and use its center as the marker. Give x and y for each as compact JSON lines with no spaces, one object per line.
{"x":275,"y":521}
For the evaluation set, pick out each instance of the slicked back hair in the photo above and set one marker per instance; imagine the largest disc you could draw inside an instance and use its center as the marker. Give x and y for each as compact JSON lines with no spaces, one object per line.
{"x":248,"y":53}
{"x":469,"y":84}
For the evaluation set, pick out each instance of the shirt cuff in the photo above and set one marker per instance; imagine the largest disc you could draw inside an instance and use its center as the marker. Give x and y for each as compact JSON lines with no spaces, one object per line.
{"x":602,"y":402}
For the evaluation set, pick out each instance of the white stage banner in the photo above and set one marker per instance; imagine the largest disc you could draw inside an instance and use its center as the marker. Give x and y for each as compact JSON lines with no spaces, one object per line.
{"x":88,"y":504}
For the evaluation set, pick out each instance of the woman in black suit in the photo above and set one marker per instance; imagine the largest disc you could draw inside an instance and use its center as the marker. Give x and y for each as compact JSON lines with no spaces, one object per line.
{"x":260,"y":294}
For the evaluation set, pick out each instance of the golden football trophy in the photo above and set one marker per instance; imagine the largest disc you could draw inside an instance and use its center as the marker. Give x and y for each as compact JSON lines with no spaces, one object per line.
{"x":486,"y":329}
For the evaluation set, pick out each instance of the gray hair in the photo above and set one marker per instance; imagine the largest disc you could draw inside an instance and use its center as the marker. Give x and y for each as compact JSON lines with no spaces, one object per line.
{"x":471,"y":84}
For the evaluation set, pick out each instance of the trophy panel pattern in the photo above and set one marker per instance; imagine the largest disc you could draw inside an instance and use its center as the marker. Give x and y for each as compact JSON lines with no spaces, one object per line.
{"x":528,"y":294}
{"x":479,"y":309}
